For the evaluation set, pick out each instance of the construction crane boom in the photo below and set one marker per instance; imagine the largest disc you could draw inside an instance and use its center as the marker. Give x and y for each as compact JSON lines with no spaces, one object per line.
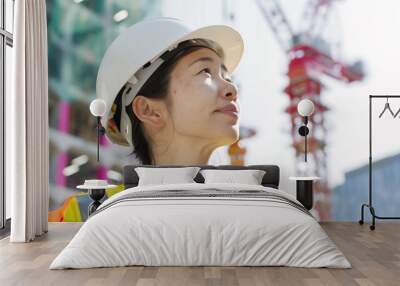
{"x":309,"y":58}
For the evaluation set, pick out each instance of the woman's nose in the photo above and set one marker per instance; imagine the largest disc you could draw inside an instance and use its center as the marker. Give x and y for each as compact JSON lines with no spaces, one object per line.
{"x":230,"y":90}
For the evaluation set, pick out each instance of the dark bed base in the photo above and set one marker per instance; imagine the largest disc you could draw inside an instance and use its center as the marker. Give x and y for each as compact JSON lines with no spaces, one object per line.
{"x":270,"y":179}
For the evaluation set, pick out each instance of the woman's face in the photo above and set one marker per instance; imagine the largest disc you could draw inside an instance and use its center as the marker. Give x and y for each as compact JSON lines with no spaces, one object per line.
{"x":199,"y":86}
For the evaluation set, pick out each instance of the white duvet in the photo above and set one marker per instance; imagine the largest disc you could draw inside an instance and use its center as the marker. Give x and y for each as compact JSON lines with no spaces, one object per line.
{"x":200,"y":231}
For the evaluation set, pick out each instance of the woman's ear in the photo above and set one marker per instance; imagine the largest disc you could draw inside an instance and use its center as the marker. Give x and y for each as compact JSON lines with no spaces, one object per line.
{"x":148,"y":110}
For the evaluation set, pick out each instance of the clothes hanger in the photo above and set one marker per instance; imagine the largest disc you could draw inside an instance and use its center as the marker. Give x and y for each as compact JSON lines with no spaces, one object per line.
{"x":398,"y":111}
{"x":387,"y":106}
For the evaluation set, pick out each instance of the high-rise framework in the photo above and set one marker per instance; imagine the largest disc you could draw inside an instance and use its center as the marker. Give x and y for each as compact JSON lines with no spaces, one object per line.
{"x":309,"y":57}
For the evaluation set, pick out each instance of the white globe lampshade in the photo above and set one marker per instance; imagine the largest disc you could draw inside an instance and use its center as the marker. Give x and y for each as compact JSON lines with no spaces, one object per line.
{"x":305,"y":107}
{"x":98,"y":107}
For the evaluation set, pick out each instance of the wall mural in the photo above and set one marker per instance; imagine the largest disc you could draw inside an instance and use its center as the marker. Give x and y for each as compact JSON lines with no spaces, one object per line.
{"x":78,"y":35}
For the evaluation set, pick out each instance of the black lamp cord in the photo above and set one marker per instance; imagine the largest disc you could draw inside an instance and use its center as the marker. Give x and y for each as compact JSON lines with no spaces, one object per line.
{"x":100,"y":131}
{"x":305,"y":138}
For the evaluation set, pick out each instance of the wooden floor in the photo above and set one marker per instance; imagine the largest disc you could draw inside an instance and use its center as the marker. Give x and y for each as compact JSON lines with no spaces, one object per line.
{"x":374,"y":255}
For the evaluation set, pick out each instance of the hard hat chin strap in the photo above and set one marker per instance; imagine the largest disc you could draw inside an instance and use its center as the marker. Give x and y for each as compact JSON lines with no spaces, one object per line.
{"x":136,"y":82}
{"x":125,"y":122}
{"x":132,"y":87}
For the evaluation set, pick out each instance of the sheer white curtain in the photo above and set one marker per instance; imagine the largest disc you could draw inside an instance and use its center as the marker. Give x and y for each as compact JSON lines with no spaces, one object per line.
{"x":27,"y":147}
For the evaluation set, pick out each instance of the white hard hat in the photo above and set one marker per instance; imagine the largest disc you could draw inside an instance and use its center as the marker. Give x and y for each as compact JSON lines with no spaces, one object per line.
{"x":137,"y":53}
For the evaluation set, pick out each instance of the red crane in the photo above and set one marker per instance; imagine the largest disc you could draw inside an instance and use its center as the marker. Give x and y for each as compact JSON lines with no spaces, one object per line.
{"x":309,"y":58}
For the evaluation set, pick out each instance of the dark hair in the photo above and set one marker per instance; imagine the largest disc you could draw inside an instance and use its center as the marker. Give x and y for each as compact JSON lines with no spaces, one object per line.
{"x":156,"y":86}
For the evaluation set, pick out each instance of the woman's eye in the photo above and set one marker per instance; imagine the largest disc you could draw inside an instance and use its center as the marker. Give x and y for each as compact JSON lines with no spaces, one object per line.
{"x":207,"y":70}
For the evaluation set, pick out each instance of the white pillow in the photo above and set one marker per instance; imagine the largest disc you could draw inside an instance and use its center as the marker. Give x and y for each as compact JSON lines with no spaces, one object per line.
{"x":249,"y":177}
{"x":160,"y":175}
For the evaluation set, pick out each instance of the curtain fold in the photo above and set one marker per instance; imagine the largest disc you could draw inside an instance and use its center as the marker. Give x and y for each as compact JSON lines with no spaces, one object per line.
{"x":27,"y":143}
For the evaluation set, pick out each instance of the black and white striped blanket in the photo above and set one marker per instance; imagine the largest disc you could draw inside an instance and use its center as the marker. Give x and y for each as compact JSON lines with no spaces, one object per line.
{"x":205,"y":194}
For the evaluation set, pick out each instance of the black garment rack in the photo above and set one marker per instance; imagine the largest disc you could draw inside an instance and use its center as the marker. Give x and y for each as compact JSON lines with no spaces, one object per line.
{"x":369,"y":205}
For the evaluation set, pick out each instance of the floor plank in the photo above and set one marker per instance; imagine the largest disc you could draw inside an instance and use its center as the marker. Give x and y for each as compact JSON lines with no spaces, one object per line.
{"x":374,"y":255}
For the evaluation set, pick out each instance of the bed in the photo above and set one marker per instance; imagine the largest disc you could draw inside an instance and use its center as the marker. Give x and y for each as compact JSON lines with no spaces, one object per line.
{"x":201,"y":224}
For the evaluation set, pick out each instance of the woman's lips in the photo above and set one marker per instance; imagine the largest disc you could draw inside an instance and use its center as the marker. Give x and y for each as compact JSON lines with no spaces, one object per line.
{"x":231,"y":113}
{"x":230,"y":109}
